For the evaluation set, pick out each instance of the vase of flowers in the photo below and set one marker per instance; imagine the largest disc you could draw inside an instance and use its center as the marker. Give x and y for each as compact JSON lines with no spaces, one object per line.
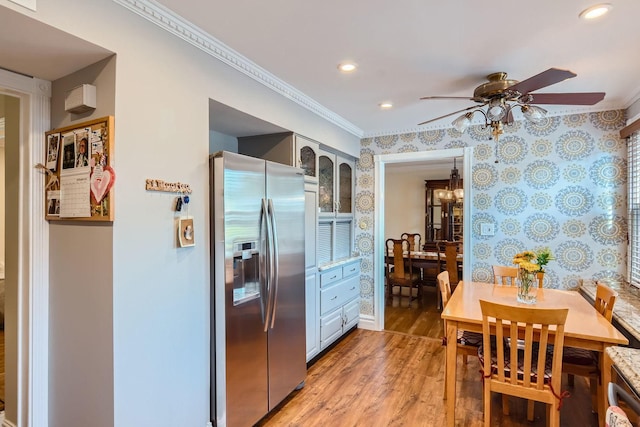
{"x":530,"y":265}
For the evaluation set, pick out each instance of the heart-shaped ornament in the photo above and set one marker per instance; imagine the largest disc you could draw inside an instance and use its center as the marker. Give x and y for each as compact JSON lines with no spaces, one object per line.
{"x":102,"y":179}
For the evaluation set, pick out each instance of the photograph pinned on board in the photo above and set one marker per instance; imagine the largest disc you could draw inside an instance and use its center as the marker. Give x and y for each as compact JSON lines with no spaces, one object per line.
{"x":68,"y":150}
{"x":186,"y":232}
{"x":53,"y":146}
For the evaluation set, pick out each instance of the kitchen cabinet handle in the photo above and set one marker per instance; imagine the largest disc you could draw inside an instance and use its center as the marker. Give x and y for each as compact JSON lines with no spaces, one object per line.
{"x":335,"y":297}
{"x":353,"y":288}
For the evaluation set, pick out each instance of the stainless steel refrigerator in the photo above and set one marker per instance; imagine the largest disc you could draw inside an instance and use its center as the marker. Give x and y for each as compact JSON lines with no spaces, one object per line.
{"x":258,"y":291}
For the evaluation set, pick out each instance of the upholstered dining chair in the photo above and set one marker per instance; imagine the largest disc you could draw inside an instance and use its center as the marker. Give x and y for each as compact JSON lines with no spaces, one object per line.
{"x":399,"y":271}
{"x":616,"y":416}
{"x":582,"y":362}
{"x":467,"y":342}
{"x":533,"y":372}
{"x":504,"y":275}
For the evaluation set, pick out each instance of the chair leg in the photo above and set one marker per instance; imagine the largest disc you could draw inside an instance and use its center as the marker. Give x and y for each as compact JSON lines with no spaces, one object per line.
{"x":444,"y":394}
{"x":554,"y":414}
{"x":596,"y":393}
{"x":464,"y":358}
{"x":530,"y":404}
{"x":505,"y":404}
{"x":570,"y":380}
{"x":487,"y":404}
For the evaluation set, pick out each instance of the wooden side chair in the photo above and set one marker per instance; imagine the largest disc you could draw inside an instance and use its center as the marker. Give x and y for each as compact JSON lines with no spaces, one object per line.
{"x":578,"y":361}
{"x":505,"y":276}
{"x":467,"y":342}
{"x":414,"y":241}
{"x":397,"y":272}
{"x":533,"y":373}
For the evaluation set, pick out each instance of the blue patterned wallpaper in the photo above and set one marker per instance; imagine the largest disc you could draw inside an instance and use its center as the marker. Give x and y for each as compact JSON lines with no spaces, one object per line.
{"x":559,"y":184}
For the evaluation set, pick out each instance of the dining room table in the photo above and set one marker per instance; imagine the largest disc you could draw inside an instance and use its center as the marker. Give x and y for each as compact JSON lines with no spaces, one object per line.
{"x":584,"y":328}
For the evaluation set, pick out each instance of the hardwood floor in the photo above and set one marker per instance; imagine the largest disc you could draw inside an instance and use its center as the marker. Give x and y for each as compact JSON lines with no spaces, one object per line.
{"x":395,"y":378}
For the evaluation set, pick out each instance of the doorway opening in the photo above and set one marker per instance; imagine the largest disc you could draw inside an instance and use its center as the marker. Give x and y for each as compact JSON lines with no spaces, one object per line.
{"x":389,"y":161}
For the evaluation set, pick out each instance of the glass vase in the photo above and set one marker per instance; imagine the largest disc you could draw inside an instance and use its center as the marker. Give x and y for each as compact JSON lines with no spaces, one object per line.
{"x":527,"y":283}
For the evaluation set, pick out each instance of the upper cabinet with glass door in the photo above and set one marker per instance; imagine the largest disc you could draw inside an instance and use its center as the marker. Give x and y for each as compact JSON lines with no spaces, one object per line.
{"x":336,"y":181}
{"x":288,"y":148}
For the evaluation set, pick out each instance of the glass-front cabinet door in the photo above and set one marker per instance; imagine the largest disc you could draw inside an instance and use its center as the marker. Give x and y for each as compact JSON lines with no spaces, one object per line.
{"x":326,"y":183}
{"x":307,"y":153}
{"x":345,"y":187}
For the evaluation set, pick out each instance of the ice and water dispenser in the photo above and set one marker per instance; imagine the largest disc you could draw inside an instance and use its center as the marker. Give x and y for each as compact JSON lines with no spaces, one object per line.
{"x":246,"y":275}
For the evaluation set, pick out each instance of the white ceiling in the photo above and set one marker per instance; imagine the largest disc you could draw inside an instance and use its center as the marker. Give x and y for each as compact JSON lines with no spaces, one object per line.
{"x":416,"y":48}
{"x":404,"y":50}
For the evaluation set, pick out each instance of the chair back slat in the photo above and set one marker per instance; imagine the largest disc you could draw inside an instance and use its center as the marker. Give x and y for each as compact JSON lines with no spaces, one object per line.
{"x":397,"y":247}
{"x":504,"y":275}
{"x":605,"y":299}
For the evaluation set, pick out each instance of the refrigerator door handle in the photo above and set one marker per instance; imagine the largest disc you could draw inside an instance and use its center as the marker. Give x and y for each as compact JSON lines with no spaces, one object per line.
{"x":276,"y":263}
{"x":264,"y":265}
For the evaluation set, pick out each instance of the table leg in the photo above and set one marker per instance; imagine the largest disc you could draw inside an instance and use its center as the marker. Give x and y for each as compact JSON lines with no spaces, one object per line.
{"x":605,"y":378}
{"x":450,"y":374}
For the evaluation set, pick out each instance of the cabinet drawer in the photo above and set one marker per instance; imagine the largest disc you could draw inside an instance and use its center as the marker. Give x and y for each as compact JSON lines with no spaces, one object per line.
{"x":330,"y":328}
{"x":331,"y":276}
{"x":351,"y":288}
{"x":332,"y":298}
{"x":351,"y":269}
{"x":351,"y":314}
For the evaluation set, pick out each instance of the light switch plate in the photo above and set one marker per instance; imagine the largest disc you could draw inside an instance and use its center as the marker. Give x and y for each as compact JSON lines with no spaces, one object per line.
{"x":486,"y":229}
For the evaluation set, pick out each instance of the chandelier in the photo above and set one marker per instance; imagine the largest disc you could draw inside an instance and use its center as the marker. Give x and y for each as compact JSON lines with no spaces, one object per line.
{"x":499,"y":113}
{"x":454,"y":193}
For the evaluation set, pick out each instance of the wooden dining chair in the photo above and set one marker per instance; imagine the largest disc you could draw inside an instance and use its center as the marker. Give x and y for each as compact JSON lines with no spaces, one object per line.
{"x":399,"y":271}
{"x":467,"y":342}
{"x":504,"y":275}
{"x":533,"y":372}
{"x":414,"y":241}
{"x":582,"y":362}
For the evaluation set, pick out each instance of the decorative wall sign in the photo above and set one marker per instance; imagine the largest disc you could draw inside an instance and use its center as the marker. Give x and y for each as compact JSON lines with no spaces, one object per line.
{"x":79,"y":172}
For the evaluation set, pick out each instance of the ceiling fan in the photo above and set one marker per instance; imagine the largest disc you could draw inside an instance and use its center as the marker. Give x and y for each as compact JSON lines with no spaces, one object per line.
{"x":501,"y":95}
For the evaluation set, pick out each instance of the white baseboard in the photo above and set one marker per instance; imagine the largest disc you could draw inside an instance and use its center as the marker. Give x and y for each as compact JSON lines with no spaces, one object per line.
{"x":367,"y":322}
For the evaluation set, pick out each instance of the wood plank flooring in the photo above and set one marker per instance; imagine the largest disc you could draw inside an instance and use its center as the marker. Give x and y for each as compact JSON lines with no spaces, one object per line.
{"x":393,"y":378}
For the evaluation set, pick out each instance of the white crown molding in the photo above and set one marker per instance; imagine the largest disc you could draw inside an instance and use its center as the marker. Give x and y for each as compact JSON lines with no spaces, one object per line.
{"x":178,"y":26}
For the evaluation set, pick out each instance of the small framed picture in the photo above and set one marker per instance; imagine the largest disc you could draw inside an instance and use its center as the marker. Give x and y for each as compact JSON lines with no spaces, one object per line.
{"x":186,"y":232}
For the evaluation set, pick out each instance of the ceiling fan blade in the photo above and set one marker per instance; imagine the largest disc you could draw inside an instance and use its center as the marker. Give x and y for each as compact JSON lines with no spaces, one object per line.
{"x":451,"y":114}
{"x":453,"y":97}
{"x":580,"y":98}
{"x":544,"y":79}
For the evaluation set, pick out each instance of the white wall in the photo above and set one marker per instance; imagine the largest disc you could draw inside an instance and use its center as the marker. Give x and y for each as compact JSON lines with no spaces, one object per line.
{"x":404,"y":204}
{"x":219,"y":141}
{"x":160,"y":294}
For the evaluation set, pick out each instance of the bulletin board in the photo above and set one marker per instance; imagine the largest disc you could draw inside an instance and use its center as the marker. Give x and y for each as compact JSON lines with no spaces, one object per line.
{"x":79,"y":172}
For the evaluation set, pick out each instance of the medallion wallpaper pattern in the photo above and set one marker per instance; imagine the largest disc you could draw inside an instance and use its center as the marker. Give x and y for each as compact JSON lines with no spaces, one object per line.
{"x":559,"y":184}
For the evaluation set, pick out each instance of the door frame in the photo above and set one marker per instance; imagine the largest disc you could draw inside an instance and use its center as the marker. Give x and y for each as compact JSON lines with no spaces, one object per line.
{"x":30,"y":406}
{"x":380,"y":161}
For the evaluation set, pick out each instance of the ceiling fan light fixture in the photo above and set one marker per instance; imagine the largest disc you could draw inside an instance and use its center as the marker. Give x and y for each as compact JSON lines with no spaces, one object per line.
{"x":386,"y":105}
{"x":596,"y":11}
{"x":462,"y":123}
{"x":533,"y":113}
{"x":496,"y":110}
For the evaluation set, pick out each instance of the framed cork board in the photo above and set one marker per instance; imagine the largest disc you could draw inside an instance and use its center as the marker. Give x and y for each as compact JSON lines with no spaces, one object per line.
{"x":79,"y":172}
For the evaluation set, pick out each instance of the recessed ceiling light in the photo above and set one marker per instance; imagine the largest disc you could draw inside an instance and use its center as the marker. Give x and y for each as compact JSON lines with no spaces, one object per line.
{"x":347,"y":67}
{"x":386,"y":105}
{"x":596,"y":11}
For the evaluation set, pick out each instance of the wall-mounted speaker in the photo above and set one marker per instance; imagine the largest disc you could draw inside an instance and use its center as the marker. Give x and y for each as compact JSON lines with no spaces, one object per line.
{"x":80,"y":99}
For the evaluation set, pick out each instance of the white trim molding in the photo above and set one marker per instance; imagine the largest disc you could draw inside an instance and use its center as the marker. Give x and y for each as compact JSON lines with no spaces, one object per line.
{"x":32,"y":394}
{"x":178,"y":26}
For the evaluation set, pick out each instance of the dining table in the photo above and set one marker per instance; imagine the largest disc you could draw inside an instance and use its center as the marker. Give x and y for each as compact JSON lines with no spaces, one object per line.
{"x":584,"y":328}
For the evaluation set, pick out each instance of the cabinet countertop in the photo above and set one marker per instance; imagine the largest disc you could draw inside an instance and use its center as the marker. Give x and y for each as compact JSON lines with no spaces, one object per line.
{"x":627,"y":307}
{"x":338,"y":263}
